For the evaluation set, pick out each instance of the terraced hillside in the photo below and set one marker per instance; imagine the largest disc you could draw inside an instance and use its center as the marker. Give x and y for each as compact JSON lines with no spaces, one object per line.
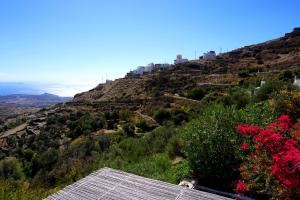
{"x":268,"y":57}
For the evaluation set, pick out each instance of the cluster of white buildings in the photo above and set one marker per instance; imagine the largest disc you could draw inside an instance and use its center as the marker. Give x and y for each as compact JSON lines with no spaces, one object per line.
{"x":149,"y":68}
{"x":140,"y":70}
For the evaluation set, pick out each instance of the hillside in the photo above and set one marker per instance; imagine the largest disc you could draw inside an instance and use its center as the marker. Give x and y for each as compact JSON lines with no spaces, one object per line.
{"x":160,"y":125}
{"x":268,"y":57}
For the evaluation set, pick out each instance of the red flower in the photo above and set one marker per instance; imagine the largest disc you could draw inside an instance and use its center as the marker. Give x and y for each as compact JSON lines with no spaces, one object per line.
{"x":270,"y":139}
{"x":284,"y":123}
{"x":276,"y":149}
{"x":245,"y":146}
{"x":286,"y":167}
{"x":241,"y":187}
{"x":246,"y":129}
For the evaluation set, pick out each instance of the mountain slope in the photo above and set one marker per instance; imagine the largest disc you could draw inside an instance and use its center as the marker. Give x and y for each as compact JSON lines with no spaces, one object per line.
{"x":271,"y":56}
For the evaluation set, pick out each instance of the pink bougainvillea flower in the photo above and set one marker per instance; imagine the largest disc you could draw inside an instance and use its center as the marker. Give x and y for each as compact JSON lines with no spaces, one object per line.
{"x":241,"y":187}
{"x":284,"y":123}
{"x":270,"y":139}
{"x":286,"y":167}
{"x":246,"y":129}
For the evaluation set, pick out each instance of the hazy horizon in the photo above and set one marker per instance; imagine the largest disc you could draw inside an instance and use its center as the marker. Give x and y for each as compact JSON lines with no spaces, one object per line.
{"x":71,"y":46}
{"x":35,"y":88}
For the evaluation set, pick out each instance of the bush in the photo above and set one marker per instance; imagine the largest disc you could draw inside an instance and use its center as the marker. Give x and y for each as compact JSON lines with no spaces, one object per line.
{"x":285,"y":75}
{"x":268,"y":88}
{"x":196,"y":93}
{"x":238,"y":97}
{"x":48,"y":159}
{"x":211,"y":143}
{"x":210,"y":149}
{"x":144,"y":126}
{"x":179,"y":116}
{"x":288,"y":102}
{"x":11,"y":169}
{"x":162,"y":115}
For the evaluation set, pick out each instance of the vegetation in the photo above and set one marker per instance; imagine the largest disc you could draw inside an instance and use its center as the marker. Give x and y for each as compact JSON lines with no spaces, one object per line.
{"x":218,"y":139}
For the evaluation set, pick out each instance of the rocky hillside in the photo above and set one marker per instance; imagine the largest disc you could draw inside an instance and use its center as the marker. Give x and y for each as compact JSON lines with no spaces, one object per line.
{"x":268,"y":57}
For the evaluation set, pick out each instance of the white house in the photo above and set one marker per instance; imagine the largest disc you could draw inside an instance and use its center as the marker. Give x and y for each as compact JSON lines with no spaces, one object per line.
{"x":139,"y":71}
{"x":296,"y":82}
{"x":180,"y":60}
{"x":210,"y":55}
{"x":149,"y":68}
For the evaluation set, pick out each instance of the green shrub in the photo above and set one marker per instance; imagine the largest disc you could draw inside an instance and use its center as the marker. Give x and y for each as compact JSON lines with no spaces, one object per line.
{"x":268,"y":88}
{"x":238,"y":97}
{"x":48,"y":159}
{"x":209,"y":146}
{"x":11,"y":169}
{"x":179,"y":116}
{"x":196,"y":93}
{"x":285,"y":75}
{"x":162,"y":115}
{"x":212,"y":144}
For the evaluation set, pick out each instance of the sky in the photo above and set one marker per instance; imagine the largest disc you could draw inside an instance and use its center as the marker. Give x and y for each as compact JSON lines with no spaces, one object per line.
{"x":70,"y":46}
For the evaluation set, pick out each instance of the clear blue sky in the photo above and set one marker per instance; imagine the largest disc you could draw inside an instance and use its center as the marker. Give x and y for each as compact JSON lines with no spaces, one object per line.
{"x":74,"y":43}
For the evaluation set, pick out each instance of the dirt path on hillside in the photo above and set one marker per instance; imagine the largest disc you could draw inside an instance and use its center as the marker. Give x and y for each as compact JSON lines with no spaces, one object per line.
{"x":146,"y":117}
{"x":13,"y":131}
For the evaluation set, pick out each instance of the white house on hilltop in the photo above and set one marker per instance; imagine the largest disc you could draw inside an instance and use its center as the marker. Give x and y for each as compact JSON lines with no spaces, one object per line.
{"x":139,"y":71}
{"x":210,"y":55}
{"x":149,"y":68}
{"x":180,"y":60}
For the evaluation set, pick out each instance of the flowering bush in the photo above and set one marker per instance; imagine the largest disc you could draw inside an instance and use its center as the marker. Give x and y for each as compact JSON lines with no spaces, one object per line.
{"x":241,"y":187}
{"x":271,"y":162}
